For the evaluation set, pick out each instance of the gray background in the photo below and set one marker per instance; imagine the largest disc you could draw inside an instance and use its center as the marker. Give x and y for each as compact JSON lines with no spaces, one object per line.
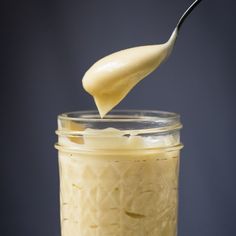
{"x":47,"y":47}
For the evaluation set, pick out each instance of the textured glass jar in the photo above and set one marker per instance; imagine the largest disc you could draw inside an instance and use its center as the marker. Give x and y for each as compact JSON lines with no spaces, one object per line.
{"x":119,"y":175}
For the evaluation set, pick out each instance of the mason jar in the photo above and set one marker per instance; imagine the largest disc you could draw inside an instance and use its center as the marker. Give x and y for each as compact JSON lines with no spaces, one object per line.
{"x":119,"y":174}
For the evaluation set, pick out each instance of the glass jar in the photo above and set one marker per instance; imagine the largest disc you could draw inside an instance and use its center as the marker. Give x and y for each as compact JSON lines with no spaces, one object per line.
{"x":119,"y":175}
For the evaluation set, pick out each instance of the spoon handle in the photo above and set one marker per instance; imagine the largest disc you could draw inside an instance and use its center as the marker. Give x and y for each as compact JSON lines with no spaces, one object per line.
{"x":186,"y":13}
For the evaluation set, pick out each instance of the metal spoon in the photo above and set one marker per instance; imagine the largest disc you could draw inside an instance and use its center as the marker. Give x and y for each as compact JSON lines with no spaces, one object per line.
{"x":111,"y":78}
{"x":173,"y":37}
{"x":186,"y":13}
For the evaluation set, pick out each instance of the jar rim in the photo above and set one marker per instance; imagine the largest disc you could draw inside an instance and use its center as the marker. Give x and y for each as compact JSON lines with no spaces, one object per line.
{"x":127,"y":121}
{"x":119,"y":116}
{"x":80,"y":126}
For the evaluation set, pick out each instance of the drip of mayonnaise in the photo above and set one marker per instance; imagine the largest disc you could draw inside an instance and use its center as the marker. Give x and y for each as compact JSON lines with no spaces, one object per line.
{"x":111,"y":78}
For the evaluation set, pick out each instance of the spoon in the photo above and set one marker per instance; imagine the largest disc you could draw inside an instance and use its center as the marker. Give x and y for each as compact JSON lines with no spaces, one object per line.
{"x":111,"y":78}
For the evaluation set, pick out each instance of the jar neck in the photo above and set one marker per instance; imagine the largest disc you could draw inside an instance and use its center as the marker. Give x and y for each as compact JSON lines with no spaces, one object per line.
{"x":120,"y":130}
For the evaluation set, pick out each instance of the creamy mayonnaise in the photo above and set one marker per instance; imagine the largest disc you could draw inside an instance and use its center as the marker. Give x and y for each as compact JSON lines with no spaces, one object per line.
{"x":111,"y":138}
{"x":119,"y":182}
{"x":111,"y":78}
{"x":113,"y":184}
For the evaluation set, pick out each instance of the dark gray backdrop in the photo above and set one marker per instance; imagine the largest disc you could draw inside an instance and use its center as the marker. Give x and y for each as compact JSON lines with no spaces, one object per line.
{"x":48,"y":45}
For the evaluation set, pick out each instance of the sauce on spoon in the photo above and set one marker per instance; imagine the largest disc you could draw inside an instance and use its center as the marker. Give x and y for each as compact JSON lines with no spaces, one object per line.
{"x":111,"y":78}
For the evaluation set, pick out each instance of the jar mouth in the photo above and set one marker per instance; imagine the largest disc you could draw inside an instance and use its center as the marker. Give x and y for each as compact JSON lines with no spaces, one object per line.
{"x":126,"y":121}
{"x":120,"y":116}
{"x":129,"y":122}
{"x":121,"y":129}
